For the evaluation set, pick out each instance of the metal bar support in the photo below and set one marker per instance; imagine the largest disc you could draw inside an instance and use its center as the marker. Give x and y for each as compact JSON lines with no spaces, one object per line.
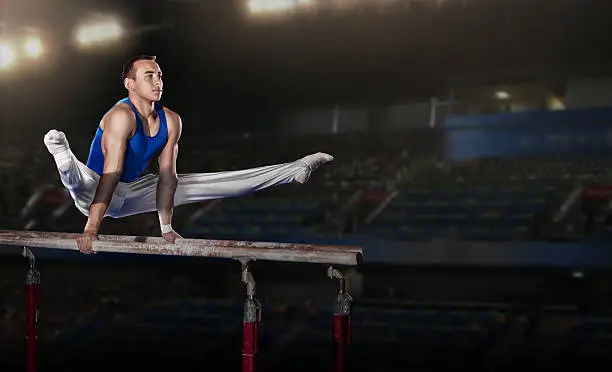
{"x":32,"y":301}
{"x":341,"y":319}
{"x":251,"y":321}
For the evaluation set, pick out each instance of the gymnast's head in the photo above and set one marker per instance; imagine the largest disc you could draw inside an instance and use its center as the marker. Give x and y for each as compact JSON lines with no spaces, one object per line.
{"x":142,"y":77}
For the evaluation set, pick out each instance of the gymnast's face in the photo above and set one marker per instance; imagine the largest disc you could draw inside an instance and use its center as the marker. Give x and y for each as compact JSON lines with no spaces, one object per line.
{"x":146,"y":81}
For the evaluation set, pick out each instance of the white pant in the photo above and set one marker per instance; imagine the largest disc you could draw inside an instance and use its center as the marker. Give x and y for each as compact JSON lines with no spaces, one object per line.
{"x":140,"y":196}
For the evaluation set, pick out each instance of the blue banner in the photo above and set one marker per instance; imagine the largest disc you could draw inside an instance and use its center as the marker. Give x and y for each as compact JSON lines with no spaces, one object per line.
{"x":584,"y":131}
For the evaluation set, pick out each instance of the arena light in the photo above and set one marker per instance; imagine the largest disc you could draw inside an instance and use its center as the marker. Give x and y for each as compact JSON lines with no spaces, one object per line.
{"x":502,"y":95}
{"x":8,"y":56}
{"x":99,"y":32}
{"x":274,"y":6}
{"x":33,"y":47}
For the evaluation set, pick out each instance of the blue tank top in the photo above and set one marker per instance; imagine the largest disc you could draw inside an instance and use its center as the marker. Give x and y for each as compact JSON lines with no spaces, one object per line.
{"x":140,"y":150}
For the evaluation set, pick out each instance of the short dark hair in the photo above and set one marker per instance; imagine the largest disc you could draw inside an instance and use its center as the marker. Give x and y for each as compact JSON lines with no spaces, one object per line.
{"x":128,"y":67}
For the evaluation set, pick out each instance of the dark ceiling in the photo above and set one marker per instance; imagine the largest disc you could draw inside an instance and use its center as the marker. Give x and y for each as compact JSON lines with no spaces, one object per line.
{"x":410,"y":49}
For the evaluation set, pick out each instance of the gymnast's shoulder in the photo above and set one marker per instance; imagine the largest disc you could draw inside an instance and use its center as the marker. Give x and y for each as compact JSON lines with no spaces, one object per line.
{"x":173,"y":120}
{"x":119,"y":116}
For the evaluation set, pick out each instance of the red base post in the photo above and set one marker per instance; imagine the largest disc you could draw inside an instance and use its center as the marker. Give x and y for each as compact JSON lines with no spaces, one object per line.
{"x":32,"y":301}
{"x":250,"y":334}
{"x":251,"y":321}
{"x":341,"y":326}
{"x":342,"y":337}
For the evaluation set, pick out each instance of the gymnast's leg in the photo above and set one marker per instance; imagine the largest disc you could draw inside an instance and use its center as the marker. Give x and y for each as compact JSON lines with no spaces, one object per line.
{"x":80,"y":181}
{"x":140,"y":195}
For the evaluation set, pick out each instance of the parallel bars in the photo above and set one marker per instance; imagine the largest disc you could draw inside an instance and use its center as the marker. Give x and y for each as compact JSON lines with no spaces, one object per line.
{"x":243,"y":251}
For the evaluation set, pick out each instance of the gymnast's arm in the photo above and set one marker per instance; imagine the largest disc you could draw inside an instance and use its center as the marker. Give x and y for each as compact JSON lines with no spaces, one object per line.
{"x":168,"y":178}
{"x":117,"y":130}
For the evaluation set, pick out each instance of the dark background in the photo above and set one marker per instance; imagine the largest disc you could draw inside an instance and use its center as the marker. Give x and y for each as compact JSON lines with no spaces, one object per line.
{"x":226,"y":71}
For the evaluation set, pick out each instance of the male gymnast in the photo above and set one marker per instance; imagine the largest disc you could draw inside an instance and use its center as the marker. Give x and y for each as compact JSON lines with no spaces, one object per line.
{"x":129,"y":135}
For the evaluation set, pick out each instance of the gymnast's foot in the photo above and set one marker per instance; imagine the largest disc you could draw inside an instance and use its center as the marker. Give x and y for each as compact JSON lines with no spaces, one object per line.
{"x":57,"y":144}
{"x":311,"y":163}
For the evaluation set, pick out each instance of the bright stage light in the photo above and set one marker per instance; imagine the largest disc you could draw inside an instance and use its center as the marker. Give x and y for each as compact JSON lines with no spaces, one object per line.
{"x":502,"y":95}
{"x":270,"y":6}
{"x":100,"y":32}
{"x":33,"y":47}
{"x":8,"y":57}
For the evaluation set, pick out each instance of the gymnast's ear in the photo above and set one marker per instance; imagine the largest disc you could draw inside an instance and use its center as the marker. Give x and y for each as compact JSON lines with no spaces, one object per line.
{"x":127,"y":83}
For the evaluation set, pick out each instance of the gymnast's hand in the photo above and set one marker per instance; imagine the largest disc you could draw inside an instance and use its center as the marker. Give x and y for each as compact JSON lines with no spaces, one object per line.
{"x":171,"y":236}
{"x":85,"y":241}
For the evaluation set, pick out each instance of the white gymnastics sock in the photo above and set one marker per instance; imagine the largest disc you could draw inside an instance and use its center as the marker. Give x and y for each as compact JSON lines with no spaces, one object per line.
{"x":58,"y":146}
{"x":311,"y":163}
